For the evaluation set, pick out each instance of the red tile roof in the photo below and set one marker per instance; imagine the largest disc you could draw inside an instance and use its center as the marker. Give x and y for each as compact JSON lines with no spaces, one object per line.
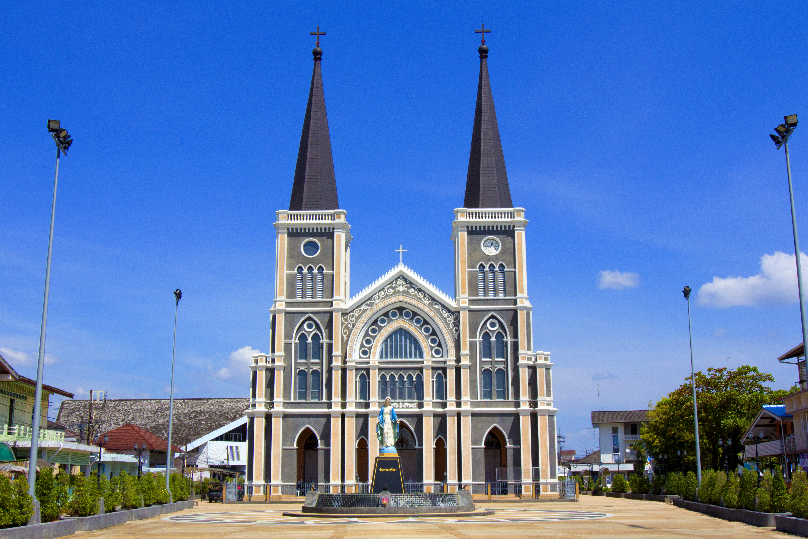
{"x":126,"y":436}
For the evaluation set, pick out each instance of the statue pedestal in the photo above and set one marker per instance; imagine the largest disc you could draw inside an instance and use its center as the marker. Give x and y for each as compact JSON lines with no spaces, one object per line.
{"x":387,"y":474}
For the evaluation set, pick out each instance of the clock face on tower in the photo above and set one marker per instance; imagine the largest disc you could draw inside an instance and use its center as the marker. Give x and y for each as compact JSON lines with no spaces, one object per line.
{"x":490,"y":245}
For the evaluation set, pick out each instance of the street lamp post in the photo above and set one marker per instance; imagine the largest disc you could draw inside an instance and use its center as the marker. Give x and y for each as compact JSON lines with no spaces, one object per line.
{"x":101,"y":442}
{"x":686,"y":292}
{"x":139,"y":450}
{"x":784,"y":132}
{"x":63,"y":142}
{"x":169,"y":452}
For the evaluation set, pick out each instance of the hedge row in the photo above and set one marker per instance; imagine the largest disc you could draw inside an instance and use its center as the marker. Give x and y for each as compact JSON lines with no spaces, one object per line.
{"x":78,"y":495}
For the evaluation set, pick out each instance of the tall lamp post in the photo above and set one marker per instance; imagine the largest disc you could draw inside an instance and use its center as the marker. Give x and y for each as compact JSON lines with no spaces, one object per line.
{"x":139,"y":450}
{"x":169,"y":452}
{"x":63,"y":142}
{"x":784,"y":131}
{"x":686,"y":292}
{"x":101,"y":442}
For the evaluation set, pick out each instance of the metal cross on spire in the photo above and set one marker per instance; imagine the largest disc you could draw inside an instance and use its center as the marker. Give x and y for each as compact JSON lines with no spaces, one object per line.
{"x":482,"y":31}
{"x":318,"y":33}
{"x":401,"y":250}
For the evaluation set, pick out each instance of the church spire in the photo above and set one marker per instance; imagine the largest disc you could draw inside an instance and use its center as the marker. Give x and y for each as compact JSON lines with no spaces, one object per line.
{"x":487,"y":181}
{"x":315,"y":187}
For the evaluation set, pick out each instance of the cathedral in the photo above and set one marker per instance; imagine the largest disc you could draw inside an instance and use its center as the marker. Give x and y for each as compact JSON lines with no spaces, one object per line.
{"x":473,"y":397}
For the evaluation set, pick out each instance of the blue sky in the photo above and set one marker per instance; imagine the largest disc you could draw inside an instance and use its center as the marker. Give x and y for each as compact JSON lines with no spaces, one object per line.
{"x":635,"y":134}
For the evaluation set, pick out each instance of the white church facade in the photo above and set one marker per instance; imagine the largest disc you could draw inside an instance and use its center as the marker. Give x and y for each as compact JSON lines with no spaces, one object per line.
{"x":473,"y":396}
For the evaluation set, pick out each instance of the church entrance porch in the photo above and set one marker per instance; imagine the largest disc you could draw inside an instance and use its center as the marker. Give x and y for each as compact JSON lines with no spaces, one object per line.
{"x":307,"y":461}
{"x":495,"y":457}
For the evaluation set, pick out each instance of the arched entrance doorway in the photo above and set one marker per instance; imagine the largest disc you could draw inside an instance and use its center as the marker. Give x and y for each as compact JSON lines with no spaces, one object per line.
{"x":407,"y":452}
{"x":495,"y":457}
{"x":362,"y":461}
{"x":307,"y":461}
{"x":440,"y":461}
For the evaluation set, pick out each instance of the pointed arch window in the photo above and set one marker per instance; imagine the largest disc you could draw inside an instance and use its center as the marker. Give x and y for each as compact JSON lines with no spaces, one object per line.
{"x":315,"y":385}
{"x":315,"y":347}
{"x":299,"y":283}
{"x":320,"y":279}
{"x":481,"y":280}
{"x":500,"y":384}
{"x":486,"y":353}
{"x":419,"y":387}
{"x":401,"y":344}
{"x":500,"y":346}
{"x":440,"y":387}
{"x":486,"y":384}
{"x":310,"y":283}
{"x":362,"y":387}
{"x":301,"y":385}
{"x":501,"y":280}
{"x":409,"y":388}
{"x":491,"y":278}
{"x":383,"y":390}
{"x":302,"y":347}
{"x":400,"y":395}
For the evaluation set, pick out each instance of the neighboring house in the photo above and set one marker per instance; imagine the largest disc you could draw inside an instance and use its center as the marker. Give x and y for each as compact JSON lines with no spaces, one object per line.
{"x":588,"y":465}
{"x":119,"y":453}
{"x":224,"y":448}
{"x":771,"y":434}
{"x":618,"y":431}
{"x":17,"y":394}
{"x":796,"y":405}
{"x":195,"y":420}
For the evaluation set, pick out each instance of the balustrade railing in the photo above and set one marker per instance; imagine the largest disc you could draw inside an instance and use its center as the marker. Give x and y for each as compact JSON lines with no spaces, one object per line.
{"x":23,"y":432}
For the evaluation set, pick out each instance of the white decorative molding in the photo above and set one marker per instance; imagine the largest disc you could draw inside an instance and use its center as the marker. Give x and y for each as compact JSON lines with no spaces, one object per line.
{"x":402,"y":287}
{"x":420,"y":281}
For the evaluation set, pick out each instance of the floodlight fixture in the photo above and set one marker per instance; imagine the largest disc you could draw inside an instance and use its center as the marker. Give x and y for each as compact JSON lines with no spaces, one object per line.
{"x":53,"y":125}
{"x":777,"y":140}
{"x":791,"y":120}
{"x":781,"y":129}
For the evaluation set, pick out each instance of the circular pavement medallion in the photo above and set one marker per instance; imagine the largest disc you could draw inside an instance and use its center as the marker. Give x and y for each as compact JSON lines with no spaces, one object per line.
{"x":275,"y":517}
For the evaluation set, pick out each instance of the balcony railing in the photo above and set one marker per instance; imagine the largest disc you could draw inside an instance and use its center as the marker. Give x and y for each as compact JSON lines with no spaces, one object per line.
{"x":23,"y":432}
{"x":632,"y":437}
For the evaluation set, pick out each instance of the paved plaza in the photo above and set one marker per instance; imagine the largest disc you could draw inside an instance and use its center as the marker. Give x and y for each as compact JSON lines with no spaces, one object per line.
{"x":592,"y":517}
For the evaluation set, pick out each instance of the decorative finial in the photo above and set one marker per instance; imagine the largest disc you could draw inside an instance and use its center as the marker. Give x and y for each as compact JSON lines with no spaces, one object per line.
{"x":483,"y":50}
{"x":317,"y":52}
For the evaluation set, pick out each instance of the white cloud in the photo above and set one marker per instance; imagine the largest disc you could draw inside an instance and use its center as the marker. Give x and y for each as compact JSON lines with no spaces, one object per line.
{"x":598,"y":376}
{"x":617,"y":280}
{"x":776,"y":284}
{"x":722,"y":332}
{"x":18,"y":358}
{"x":239,"y":364}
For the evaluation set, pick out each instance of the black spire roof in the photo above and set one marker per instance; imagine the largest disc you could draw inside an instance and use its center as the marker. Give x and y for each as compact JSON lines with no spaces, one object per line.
{"x":487,"y":181}
{"x":315,"y":187}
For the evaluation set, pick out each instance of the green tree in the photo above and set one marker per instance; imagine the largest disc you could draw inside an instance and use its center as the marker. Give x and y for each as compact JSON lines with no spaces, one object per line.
{"x":689,"y":486}
{"x":731,"y":490}
{"x":52,"y":493}
{"x":619,"y":484}
{"x":747,"y":488}
{"x":23,"y":501}
{"x":764,"y":492}
{"x":707,"y":487}
{"x":85,"y":496}
{"x":728,"y":400}
{"x":798,"y":497}
{"x":718,"y":489}
{"x":779,"y":500}
{"x":130,"y":491}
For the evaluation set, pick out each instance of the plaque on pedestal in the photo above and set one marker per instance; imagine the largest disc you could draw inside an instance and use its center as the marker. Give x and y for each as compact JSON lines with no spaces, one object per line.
{"x":387,"y":475}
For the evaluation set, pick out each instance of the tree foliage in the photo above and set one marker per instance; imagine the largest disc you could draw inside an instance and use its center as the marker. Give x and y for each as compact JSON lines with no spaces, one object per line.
{"x":728,"y":400}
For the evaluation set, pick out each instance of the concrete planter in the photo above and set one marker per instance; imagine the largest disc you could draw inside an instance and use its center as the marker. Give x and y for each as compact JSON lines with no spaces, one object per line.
{"x":146,"y":512}
{"x":797,"y":526}
{"x":97,"y":522}
{"x":646,"y":497}
{"x":48,"y":530}
{"x":753,"y":518}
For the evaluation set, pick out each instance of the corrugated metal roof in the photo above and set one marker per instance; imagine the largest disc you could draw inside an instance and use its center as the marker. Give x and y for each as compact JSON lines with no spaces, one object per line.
{"x":591,"y":458}
{"x":777,"y":409}
{"x":620,"y":416}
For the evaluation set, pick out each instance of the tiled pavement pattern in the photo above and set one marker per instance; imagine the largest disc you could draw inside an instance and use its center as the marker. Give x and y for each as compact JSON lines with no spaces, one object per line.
{"x":592,"y":517}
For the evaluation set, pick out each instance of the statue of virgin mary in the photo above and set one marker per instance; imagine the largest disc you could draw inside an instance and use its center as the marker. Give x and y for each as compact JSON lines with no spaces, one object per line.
{"x":387,"y":428}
